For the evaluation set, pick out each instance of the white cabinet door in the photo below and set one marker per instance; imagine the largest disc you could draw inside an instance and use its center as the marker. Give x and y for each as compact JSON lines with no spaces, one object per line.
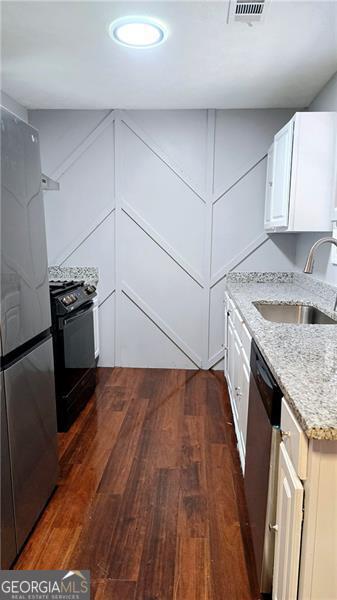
{"x":334,"y":185}
{"x":269,"y":184}
{"x":96,"y":326}
{"x":230,"y":357}
{"x":281,"y":175}
{"x":237,"y":375}
{"x":288,"y":533}
{"x":244,"y":399}
{"x":226,"y":308}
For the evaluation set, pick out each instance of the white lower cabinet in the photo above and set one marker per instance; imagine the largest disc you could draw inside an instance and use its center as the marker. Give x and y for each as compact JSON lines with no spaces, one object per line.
{"x":305,"y":560}
{"x":244,"y":399}
{"x":96,"y":326}
{"x":237,"y":372}
{"x":287,"y":530}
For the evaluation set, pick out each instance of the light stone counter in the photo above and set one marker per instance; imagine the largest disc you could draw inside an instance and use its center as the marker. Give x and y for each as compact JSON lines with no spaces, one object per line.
{"x":87,"y":274}
{"x":302,"y":358}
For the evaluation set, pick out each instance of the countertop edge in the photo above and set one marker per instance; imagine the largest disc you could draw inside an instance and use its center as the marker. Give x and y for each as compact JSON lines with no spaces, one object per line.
{"x":317,"y":433}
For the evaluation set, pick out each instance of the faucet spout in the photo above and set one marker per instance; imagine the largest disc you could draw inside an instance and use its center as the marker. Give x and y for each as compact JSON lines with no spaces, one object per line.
{"x":309,"y":265}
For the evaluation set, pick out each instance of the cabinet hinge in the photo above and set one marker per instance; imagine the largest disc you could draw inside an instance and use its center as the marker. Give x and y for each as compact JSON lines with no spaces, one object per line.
{"x":303,"y":506}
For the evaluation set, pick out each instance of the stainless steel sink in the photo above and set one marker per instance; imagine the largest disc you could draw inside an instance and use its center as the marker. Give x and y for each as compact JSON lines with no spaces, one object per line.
{"x":300,"y":314}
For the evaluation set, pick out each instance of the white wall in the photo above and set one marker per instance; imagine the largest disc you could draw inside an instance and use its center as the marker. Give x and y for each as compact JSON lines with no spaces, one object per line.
{"x":165,"y":203}
{"x":13,"y":106}
{"x":323,"y":269}
{"x":327,"y":98}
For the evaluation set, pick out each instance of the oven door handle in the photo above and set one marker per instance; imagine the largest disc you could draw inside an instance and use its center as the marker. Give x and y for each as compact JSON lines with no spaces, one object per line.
{"x":77,"y":314}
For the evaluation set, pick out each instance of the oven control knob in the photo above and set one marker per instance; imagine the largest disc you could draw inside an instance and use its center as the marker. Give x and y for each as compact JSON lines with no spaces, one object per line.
{"x":89,"y":289}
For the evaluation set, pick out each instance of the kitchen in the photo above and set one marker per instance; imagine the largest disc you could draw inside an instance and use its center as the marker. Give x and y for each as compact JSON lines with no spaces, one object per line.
{"x":169,"y":297}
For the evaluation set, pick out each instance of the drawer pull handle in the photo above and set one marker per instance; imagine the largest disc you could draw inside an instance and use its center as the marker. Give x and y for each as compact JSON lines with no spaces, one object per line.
{"x":284,"y":435}
{"x":273,"y":527}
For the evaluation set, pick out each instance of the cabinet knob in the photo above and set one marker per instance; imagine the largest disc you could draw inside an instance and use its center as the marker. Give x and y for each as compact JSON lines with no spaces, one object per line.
{"x":273,"y":527}
{"x":284,"y":435}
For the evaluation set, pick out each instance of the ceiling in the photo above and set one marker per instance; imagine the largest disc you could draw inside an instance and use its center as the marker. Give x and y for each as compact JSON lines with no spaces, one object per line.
{"x":59,"y":55}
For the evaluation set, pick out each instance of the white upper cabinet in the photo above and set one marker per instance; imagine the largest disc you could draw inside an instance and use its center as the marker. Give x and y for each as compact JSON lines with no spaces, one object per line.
{"x":300,"y":174}
{"x":280,"y":188}
{"x":334,"y":193}
{"x":269,"y":183}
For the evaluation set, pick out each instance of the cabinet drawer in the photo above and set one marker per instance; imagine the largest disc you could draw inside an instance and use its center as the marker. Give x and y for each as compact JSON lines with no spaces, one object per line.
{"x":294,"y":440}
{"x":234,"y":316}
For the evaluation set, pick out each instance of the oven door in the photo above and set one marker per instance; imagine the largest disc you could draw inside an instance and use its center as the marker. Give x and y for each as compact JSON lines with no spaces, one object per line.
{"x":75,"y":348}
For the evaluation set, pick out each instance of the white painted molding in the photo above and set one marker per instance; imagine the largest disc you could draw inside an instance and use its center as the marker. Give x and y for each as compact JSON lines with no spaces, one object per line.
{"x":118,"y":239}
{"x":207,"y":195}
{"x":161,"y":324}
{"x":219,"y":194}
{"x":208,"y":233}
{"x":155,"y":149}
{"x":239,"y":258}
{"x":83,"y":146}
{"x":82,"y":237}
{"x":161,"y":242}
{"x":106,"y":297}
{"x":216,"y":358}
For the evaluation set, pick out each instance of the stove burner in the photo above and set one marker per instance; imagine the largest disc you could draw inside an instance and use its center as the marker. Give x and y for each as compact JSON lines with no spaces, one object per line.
{"x":61,"y":286}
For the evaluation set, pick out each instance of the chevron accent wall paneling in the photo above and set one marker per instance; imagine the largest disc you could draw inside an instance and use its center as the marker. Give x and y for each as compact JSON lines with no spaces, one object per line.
{"x":165,"y":203}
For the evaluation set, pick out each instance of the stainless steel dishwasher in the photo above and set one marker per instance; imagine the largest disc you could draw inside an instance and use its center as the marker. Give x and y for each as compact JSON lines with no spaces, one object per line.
{"x":262,"y":451}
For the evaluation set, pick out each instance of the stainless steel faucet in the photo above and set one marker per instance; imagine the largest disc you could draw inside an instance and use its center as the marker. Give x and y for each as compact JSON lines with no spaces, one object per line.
{"x":309,"y":265}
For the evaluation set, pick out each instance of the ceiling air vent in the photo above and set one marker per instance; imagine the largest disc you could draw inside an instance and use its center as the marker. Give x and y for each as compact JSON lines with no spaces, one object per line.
{"x":247,"y":11}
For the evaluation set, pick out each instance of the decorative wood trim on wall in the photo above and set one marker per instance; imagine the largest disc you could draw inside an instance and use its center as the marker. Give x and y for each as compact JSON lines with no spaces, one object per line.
{"x":220,"y":193}
{"x":106,"y":298}
{"x":209,"y":231}
{"x":118,"y":241}
{"x":161,"y":242}
{"x":205,"y":353}
{"x":75,"y":245}
{"x":239,"y":258}
{"x":84,"y":145}
{"x":154,"y":147}
{"x":161,"y":324}
{"x":215,"y":359}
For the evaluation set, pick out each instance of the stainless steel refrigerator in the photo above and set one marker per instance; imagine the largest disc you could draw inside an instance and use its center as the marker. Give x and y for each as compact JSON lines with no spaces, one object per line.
{"x":28,"y":409}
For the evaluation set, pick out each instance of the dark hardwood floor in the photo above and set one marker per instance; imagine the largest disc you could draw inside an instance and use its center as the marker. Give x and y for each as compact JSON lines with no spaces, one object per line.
{"x":150,"y":495}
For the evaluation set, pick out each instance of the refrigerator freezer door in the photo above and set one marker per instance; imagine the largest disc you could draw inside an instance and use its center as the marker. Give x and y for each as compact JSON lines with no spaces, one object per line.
{"x":25,"y":306}
{"x":8,"y":541}
{"x":31,"y":412}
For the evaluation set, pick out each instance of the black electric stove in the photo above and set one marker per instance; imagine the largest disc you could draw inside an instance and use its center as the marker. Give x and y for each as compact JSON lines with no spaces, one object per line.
{"x":74,"y":347}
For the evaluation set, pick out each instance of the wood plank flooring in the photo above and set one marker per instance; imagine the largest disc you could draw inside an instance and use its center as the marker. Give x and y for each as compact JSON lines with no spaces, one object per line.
{"x":150,"y":495}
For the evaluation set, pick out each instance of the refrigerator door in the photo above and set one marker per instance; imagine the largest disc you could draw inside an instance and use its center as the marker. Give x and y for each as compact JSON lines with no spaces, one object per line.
{"x":8,"y":541}
{"x":31,"y":413}
{"x":25,"y":305}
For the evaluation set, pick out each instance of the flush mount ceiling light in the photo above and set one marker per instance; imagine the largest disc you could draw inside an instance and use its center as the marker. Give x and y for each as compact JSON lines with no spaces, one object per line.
{"x":138,"y":32}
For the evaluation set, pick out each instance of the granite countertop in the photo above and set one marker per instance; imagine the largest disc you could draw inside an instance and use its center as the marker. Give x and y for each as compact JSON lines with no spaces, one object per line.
{"x":302,"y":358}
{"x":87,"y":274}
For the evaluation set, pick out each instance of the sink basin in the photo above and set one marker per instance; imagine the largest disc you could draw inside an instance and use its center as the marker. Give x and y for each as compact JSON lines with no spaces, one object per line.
{"x":300,"y":314}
